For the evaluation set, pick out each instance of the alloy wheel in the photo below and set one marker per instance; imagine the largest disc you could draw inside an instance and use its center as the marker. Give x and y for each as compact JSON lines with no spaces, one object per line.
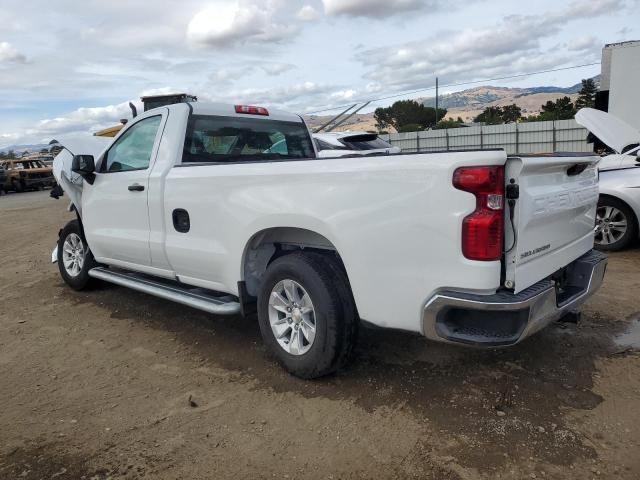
{"x":292,"y":317}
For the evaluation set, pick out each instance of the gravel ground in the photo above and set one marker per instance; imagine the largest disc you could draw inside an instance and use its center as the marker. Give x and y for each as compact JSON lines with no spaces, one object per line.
{"x":98,"y":384}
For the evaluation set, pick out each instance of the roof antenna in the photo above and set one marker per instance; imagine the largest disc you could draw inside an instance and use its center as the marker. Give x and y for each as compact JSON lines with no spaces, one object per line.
{"x":134,"y":111}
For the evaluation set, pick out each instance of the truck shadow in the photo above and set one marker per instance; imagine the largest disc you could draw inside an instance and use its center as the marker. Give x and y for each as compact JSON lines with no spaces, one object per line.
{"x":513,"y":400}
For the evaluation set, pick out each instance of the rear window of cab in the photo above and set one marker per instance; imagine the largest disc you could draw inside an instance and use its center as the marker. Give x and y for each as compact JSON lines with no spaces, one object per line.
{"x":216,"y":139}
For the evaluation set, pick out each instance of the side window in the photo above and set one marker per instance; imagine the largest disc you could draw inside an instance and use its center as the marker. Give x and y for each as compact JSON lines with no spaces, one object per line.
{"x":322,"y":145}
{"x":132,"y":151}
{"x":238,"y":139}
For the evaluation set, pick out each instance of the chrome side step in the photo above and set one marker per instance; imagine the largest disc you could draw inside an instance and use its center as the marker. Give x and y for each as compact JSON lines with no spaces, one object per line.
{"x":218,"y":304}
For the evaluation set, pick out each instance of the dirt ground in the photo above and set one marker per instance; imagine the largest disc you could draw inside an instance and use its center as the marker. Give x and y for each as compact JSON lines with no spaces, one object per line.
{"x":96,"y":385}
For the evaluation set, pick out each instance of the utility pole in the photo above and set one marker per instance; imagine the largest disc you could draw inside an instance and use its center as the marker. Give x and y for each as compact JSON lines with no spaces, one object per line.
{"x":436,"y":102}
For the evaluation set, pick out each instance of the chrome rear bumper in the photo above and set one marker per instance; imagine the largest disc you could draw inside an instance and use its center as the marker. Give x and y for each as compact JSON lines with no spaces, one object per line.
{"x":505,"y":318}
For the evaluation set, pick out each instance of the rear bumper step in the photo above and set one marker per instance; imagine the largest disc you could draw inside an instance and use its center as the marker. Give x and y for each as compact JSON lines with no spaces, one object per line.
{"x":506,"y":318}
{"x":198,"y":298}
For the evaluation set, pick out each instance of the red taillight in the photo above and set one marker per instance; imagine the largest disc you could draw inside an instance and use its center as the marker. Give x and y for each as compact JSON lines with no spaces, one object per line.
{"x":483,"y":230}
{"x":251,"y":110}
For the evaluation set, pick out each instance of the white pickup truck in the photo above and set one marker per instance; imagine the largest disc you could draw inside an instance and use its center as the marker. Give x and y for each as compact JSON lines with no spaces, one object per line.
{"x":193,"y":203}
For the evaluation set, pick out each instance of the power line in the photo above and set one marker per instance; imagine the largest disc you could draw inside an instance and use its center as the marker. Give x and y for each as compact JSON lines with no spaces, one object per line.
{"x":458,"y":85}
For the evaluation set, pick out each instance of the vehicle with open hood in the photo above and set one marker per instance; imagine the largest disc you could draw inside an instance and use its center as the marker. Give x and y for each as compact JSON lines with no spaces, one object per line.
{"x":618,"y":211}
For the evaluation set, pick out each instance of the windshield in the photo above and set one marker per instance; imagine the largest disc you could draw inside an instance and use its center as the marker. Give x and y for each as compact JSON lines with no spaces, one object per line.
{"x":232,"y":139}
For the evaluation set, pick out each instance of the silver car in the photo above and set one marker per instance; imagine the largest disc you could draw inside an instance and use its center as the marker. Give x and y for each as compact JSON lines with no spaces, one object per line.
{"x":618,"y":213}
{"x":340,"y":144}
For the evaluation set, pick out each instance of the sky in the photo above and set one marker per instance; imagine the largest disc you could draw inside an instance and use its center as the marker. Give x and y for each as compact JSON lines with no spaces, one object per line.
{"x":70,"y":66}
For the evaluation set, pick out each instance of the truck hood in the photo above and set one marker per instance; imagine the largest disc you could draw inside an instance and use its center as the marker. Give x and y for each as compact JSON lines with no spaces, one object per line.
{"x":611,"y":130}
{"x":70,"y":182}
{"x":84,"y":144}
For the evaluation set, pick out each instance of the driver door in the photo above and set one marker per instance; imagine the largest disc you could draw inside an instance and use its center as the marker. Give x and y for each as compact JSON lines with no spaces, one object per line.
{"x":115,"y":208}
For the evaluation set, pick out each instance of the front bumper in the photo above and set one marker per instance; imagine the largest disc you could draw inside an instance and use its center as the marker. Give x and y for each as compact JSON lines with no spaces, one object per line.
{"x":505,"y":318}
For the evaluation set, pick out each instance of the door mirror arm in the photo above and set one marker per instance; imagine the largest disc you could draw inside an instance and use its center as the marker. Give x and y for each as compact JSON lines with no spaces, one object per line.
{"x":85,"y":166}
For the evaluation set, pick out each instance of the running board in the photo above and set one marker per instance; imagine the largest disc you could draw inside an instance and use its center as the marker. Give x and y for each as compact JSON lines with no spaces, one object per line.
{"x":209,"y":301}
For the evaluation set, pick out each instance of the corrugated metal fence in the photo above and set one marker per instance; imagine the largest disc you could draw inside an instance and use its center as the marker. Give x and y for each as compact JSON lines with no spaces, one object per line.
{"x":534,"y":137}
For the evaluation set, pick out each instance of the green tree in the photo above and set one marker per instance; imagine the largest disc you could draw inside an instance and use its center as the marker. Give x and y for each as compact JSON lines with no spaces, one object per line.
{"x":587,"y":98}
{"x":499,"y":115}
{"x":490,"y":116}
{"x":449,"y":123}
{"x":407,"y":112}
{"x":511,"y":113}
{"x":410,"y":127}
{"x":561,"y":109}
{"x":11,"y":155}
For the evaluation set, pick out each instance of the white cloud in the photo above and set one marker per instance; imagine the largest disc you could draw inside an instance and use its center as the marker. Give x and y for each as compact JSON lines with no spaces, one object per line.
{"x":82,"y":120}
{"x":160,"y":91}
{"x":583,"y":42}
{"x":373,"y":87}
{"x":227,"y":22}
{"x":295,"y":97}
{"x":275,"y":69}
{"x":592,"y":8}
{"x":10,"y":55}
{"x":511,"y":46}
{"x":8,"y":138}
{"x":308,"y":14}
{"x":347,"y":94}
{"x":371,"y":8}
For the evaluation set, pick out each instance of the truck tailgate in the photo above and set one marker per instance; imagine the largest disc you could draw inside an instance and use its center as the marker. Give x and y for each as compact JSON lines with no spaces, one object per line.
{"x":553,"y":217}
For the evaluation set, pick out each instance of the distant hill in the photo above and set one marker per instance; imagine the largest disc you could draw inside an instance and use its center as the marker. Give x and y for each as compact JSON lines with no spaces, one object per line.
{"x":469,"y":103}
{"x":24,"y":148}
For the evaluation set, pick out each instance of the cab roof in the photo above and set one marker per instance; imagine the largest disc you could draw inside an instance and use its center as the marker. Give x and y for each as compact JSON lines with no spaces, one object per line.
{"x":229,"y":110}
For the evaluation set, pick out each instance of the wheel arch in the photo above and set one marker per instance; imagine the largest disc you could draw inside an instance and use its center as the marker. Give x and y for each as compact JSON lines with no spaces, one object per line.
{"x":628,"y":204}
{"x":270,"y":243}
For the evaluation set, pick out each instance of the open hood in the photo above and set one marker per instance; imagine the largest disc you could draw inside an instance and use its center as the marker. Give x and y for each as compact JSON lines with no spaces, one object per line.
{"x":83,"y":144}
{"x":611,"y":130}
{"x":70,"y":182}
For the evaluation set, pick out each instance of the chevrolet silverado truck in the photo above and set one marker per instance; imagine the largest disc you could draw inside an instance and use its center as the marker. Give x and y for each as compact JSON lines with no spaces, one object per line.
{"x":191,"y":203}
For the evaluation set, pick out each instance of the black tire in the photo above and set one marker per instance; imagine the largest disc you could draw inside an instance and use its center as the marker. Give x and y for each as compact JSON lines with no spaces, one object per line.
{"x":81,"y":280}
{"x":17,"y":186}
{"x":606,"y":240}
{"x":336,"y":319}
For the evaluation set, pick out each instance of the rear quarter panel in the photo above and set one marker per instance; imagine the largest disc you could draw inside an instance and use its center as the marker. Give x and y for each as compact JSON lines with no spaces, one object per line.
{"x":394,"y":220}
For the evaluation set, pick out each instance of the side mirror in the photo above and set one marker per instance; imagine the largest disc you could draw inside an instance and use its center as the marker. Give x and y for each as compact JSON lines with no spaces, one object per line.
{"x":84,"y":165}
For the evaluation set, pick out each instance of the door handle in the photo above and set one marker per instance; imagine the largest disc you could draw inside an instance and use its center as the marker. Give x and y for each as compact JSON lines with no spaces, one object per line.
{"x":136,"y":187}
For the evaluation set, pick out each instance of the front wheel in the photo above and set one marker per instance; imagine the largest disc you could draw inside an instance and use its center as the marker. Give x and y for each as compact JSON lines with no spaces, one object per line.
{"x":74,"y":257}
{"x":615,"y":225}
{"x":307,"y":315}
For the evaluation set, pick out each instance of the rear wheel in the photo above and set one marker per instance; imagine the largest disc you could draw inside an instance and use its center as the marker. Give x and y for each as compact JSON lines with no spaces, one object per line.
{"x":74,"y":257}
{"x":615,"y":224}
{"x":307,"y":315}
{"x":17,"y":186}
